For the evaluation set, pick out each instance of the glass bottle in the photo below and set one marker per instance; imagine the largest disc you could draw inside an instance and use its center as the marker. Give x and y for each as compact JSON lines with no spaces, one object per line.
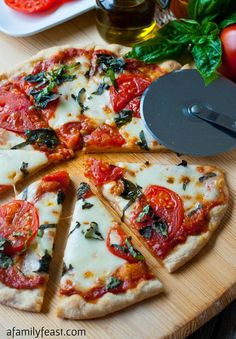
{"x":125,"y":21}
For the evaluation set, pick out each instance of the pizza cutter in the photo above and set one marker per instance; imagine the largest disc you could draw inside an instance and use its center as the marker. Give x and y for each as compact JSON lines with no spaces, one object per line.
{"x":188,"y":117}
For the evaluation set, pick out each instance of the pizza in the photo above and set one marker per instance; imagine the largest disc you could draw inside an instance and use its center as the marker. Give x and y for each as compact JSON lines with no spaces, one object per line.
{"x":70,"y":98}
{"x":102,"y":271}
{"x":173,"y":210}
{"x":27,"y":230}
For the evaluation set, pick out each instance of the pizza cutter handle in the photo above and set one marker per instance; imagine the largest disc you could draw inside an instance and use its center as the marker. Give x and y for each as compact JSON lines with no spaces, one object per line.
{"x":219,"y":119}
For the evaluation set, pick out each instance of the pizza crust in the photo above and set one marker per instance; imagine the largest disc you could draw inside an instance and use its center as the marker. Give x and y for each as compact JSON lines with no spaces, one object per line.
{"x":26,"y":300}
{"x":75,"y":307}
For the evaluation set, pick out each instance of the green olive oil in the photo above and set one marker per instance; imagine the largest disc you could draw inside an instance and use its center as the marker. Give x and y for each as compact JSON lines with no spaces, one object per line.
{"x":125,"y":21}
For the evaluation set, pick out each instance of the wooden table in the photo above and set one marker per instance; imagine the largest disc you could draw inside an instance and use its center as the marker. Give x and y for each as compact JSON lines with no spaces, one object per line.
{"x":173,"y":322}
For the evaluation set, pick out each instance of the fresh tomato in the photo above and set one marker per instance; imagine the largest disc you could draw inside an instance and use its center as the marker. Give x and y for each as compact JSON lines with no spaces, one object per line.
{"x":129,"y":87}
{"x":60,"y":177}
{"x":14,"y":278}
{"x":118,"y":233}
{"x":228,"y":39}
{"x":101,"y":172}
{"x":134,"y":106}
{"x":19,"y":225}
{"x":70,"y":133}
{"x":166,"y":204}
{"x":15,"y":111}
{"x":30,"y":6}
{"x":105,"y":136}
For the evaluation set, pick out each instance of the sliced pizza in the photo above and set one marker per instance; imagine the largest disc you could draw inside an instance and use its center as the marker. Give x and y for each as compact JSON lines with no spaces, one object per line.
{"x":102,"y":270}
{"x":27,"y":230}
{"x":173,"y":209}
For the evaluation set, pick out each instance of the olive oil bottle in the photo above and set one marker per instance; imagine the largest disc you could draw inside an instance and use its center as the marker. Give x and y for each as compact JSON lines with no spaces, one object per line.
{"x":125,"y":21}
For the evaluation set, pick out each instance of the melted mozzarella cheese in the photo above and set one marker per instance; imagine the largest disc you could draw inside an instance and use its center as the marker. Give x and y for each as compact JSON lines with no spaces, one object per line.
{"x":90,"y":258}
{"x":9,"y":139}
{"x":131,"y":133}
{"x":171,"y":177}
{"x":11,"y":162}
{"x":99,"y":106}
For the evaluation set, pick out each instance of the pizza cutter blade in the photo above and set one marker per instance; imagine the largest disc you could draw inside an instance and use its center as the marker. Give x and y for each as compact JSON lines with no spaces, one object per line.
{"x":188,"y":117}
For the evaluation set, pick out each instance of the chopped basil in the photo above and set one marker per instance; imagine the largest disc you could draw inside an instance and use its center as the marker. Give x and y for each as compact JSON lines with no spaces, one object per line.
{"x":207,"y":176}
{"x":23,"y":168}
{"x":143,"y":142}
{"x":111,"y":75}
{"x":60,"y":197}
{"x":79,"y":98}
{"x":161,"y":227}
{"x":131,"y":192}
{"x":82,"y":190}
{"x":135,"y":253}
{"x":44,"y":263}
{"x":145,"y":212}
{"x":46,"y":82}
{"x":25,"y":194}
{"x":41,"y":137}
{"x":123,"y":117}
{"x":86,"y":205}
{"x":183,"y":163}
{"x":77,"y":225}
{"x":198,"y":208}
{"x":3,"y":243}
{"x":5,"y":261}
{"x":106,"y":61}
{"x":185,"y":183}
{"x":44,"y":227}
{"x":103,"y":86}
{"x":146,"y":232}
{"x":92,"y":232}
{"x":66,"y":269}
{"x":128,"y":248}
{"x":113,"y":283}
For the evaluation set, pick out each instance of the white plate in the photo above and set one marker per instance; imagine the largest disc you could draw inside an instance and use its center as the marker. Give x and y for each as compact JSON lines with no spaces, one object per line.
{"x":22,"y":25}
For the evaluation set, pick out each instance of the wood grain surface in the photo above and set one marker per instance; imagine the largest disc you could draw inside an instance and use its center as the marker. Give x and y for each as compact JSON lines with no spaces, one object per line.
{"x":192,"y":295}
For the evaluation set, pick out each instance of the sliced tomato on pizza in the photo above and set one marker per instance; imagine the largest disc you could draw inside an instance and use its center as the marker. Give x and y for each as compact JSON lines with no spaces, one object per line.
{"x":27,"y":230}
{"x":103,"y":272}
{"x":172,"y":209}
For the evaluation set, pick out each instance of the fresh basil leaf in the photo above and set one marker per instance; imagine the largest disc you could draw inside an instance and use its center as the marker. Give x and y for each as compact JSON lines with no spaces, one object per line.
{"x":198,"y":208}
{"x":146,"y":232}
{"x":92,"y":232}
{"x":101,"y":88}
{"x":161,"y":227}
{"x":113,"y":283}
{"x":44,"y":263}
{"x":32,"y":78}
{"x":207,"y":176}
{"x":79,"y":98}
{"x":135,"y":253}
{"x":60,"y":197}
{"x":207,"y":10}
{"x":23,"y":168}
{"x":143,"y":141}
{"x":82,"y":190}
{"x":77,"y":225}
{"x":87,"y":205}
{"x":123,"y":117}
{"x":111,"y":75}
{"x":66,"y":269}
{"x":131,"y":192}
{"x":228,"y":21}
{"x":145,"y":212}
{"x":41,"y":137}
{"x":5,"y":261}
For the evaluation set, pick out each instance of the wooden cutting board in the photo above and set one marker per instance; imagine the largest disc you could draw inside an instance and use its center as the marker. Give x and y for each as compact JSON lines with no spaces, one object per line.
{"x":192,"y":295}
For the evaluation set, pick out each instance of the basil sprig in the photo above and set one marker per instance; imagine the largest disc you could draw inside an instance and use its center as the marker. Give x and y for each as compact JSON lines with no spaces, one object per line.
{"x":93,"y":232}
{"x":130,"y":192}
{"x":129,"y":249}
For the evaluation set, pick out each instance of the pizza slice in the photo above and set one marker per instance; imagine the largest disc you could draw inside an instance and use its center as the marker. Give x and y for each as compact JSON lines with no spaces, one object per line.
{"x":173,"y":209}
{"x":27,"y":230}
{"x":102,"y":270}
